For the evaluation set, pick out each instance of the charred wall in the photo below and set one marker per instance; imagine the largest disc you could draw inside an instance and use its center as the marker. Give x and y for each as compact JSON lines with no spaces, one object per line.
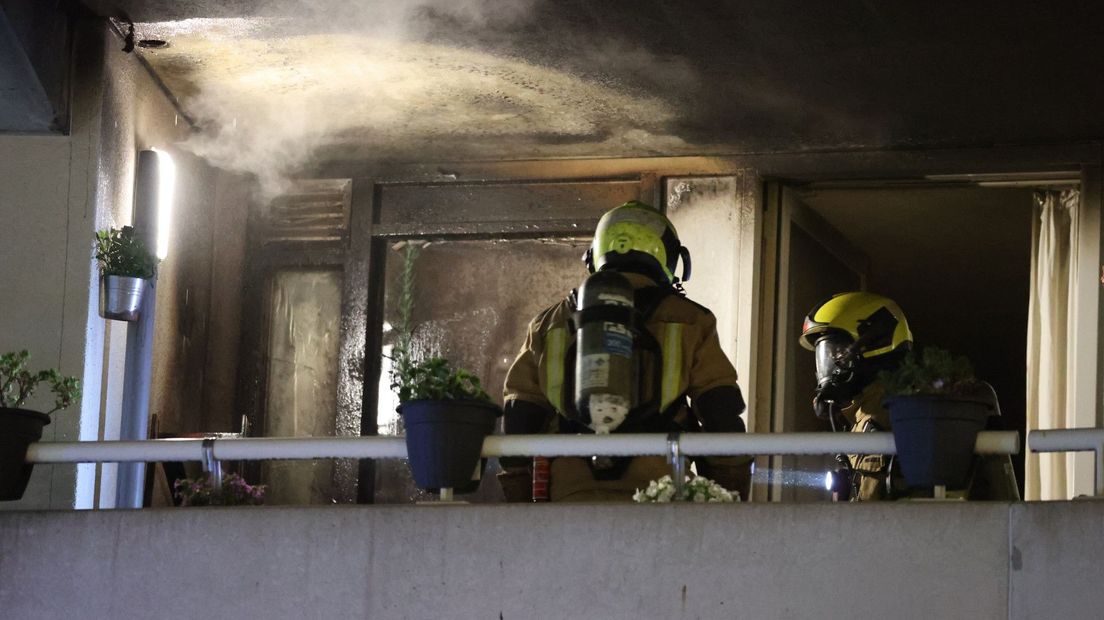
{"x":194,"y":364}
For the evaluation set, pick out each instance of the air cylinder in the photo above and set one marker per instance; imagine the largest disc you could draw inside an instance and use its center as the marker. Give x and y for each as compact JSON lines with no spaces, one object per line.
{"x":605,"y":377}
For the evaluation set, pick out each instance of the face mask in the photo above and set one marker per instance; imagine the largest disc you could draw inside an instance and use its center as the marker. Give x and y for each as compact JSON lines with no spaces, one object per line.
{"x":834,"y":378}
{"x":828,"y":354}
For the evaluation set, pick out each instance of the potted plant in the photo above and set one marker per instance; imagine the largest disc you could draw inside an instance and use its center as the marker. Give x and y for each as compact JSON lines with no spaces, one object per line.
{"x":20,"y":427}
{"x":937,"y":407}
{"x":125,"y":267}
{"x":698,"y":489}
{"x":447,"y":415}
{"x":234,"y":491}
{"x":445,"y":411}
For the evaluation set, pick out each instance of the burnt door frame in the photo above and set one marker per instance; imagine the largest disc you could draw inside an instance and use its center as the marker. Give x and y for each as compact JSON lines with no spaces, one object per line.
{"x":265,"y":256}
{"x":784,"y":212}
{"x":494,"y":208}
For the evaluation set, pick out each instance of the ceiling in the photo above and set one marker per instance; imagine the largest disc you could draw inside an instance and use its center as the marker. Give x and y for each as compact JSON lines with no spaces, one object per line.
{"x":971,"y":244}
{"x":483,"y":79}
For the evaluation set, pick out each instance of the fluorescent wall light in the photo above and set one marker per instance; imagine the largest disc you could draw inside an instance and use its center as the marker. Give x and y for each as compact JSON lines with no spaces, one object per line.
{"x":166,"y":187}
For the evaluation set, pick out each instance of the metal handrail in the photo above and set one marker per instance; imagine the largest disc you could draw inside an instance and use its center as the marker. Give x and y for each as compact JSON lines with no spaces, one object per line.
{"x":675,"y":446}
{"x":691,"y":444}
{"x":1073,"y":440}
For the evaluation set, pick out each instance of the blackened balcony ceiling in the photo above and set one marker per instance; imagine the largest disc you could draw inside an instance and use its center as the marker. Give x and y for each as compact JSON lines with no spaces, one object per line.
{"x":479,"y":79}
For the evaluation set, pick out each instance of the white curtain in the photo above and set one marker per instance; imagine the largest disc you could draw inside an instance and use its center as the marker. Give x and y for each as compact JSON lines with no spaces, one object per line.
{"x":1053,"y":266}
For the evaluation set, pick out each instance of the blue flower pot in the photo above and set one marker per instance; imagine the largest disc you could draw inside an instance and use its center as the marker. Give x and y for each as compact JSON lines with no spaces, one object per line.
{"x":935,"y":438}
{"x":444,"y":439}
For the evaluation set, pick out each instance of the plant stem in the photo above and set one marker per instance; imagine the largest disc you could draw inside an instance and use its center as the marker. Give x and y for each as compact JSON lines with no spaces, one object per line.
{"x":26,"y":388}
{"x":404,"y":329}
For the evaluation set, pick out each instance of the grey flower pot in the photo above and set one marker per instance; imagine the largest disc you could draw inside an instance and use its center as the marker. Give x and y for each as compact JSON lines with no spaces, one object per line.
{"x":121,"y":297}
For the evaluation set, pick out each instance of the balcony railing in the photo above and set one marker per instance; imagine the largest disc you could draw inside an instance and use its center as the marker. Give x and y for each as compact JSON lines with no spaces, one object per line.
{"x":212,"y":451}
{"x":689,"y":444}
{"x":676,"y":446}
{"x":1073,"y":440}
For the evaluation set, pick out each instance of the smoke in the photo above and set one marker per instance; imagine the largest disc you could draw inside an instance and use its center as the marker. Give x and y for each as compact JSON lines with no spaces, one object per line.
{"x":404,"y":80}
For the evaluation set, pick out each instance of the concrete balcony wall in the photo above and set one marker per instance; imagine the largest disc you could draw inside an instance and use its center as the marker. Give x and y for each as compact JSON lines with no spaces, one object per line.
{"x":557,"y":561}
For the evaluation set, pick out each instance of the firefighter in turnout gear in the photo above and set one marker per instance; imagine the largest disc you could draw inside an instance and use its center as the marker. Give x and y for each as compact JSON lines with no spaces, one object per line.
{"x":624,"y":353}
{"x":855,"y":336}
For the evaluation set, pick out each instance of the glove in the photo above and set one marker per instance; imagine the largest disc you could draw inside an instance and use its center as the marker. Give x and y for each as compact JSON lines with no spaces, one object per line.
{"x":522,"y":417}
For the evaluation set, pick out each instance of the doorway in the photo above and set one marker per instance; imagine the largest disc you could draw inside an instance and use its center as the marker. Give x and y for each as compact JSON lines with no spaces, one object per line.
{"x":955,"y":256}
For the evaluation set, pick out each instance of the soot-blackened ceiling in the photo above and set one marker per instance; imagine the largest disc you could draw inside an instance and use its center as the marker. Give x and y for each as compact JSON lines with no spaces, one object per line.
{"x":478,"y":79}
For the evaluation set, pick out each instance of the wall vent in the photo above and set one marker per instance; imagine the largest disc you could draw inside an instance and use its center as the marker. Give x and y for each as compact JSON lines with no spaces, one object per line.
{"x":312,"y":211}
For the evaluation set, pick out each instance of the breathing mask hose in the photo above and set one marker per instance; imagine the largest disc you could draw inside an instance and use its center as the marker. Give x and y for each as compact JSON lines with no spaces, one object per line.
{"x":605,"y":372}
{"x":827,"y":408}
{"x":827,"y":400}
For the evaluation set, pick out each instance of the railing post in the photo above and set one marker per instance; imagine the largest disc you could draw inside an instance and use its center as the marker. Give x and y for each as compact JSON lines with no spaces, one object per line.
{"x":677,"y":462}
{"x":1098,"y":456}
{"x":1073,"y":440}
{"x":212,"y":466}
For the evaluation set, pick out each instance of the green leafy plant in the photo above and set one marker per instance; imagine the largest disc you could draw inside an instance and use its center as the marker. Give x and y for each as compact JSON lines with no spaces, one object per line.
{"x":17,"y":384}
{"x":933,"y":372}
{"x":432,"y":378}
{"x":121,"y":252}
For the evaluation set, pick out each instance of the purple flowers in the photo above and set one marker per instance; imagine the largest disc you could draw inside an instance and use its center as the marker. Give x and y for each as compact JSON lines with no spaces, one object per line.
{"x":235,"y":492}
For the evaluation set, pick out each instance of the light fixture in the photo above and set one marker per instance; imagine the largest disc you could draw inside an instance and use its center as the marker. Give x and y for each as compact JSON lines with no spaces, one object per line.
{"x":166,"y":186}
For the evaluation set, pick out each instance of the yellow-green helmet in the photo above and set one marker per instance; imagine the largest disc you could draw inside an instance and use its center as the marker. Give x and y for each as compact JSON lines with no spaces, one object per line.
{"x":875,"y":320}
{"x":635,"y":236}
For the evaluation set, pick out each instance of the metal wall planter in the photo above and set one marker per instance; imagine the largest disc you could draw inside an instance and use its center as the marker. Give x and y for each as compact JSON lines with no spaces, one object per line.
{"x":121,"y":297}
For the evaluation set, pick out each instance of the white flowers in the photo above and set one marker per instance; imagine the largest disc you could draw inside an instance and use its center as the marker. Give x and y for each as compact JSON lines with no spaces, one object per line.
{"x":698,"y":489}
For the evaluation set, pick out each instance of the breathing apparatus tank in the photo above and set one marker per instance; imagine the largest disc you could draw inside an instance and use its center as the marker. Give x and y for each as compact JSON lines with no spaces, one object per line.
{"x":605,"y":372}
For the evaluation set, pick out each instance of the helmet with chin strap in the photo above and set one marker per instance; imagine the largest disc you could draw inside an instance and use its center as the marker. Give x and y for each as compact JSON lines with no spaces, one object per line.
{"x":636,"y":237}
{"x":854,"y":335}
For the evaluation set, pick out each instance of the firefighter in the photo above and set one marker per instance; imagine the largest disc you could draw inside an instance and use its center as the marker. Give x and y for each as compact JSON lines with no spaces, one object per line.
{"x":680,"y":358}
{"x":856,"y":336}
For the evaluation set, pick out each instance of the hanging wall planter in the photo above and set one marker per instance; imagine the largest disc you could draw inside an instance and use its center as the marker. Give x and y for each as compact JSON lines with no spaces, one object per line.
{"x":125,"y":267}
{"x":121,"y":297}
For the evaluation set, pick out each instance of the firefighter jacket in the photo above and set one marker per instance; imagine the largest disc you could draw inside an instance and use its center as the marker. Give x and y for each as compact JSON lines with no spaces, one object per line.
{"x":693,"y":365}
{"x":866,"y":414}
{"x":692,"y":360}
